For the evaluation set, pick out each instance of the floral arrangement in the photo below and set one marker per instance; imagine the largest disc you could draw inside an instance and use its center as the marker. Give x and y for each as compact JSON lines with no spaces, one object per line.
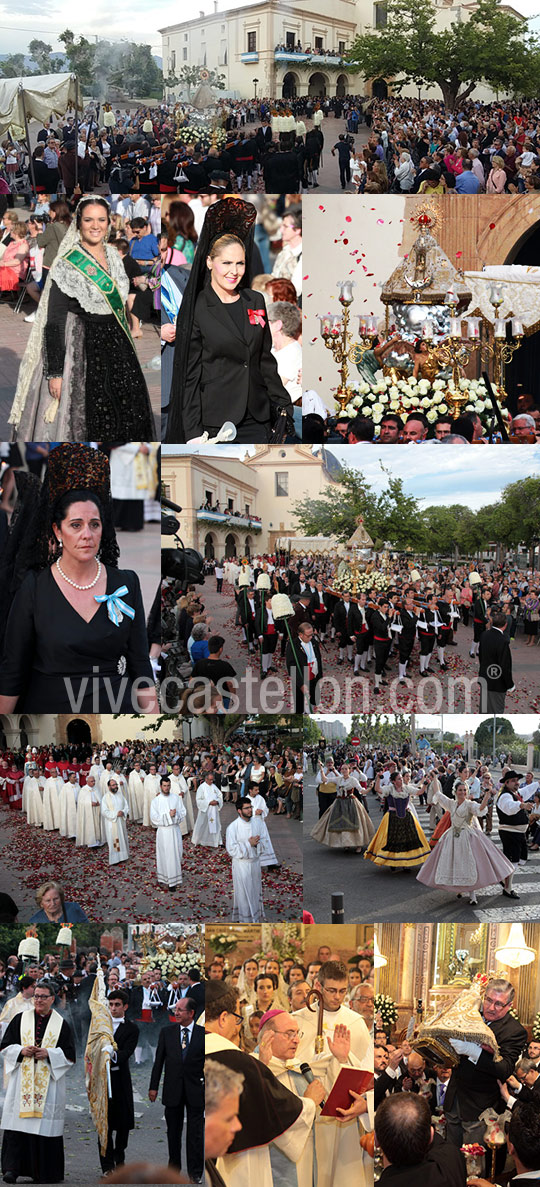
{"x":172,"y":963}
{"x":473,"y":1149}
{"x":365,"y":953}
{"x":418,"y":395}
{"x":386,"y":1007}
{"x":281,"y":943}
{"x":362,"y":582}
{"x":536,"y":1027}
{"x":224,"y":943}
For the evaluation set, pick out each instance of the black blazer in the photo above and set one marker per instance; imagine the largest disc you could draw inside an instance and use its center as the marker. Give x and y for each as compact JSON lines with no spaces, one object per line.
{"x":495,"y":661}
{"x":126,"y":1039}
{"x":184,"y":1076}
{"x":475,"y":1085}
{"x":229,"y":372}
{"x":292,"y":666}
{"x":196,"y":993}
{"x":444,"y":1166}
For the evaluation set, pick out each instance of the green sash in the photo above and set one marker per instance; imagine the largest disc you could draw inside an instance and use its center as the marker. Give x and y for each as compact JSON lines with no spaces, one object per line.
{"x":96,"y":275}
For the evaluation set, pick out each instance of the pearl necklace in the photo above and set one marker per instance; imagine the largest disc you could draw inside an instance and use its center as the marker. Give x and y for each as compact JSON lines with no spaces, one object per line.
{"x":74,"y":583}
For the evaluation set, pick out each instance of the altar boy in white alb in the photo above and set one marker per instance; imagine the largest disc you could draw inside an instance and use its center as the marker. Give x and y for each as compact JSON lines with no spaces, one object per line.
{"x":166,"y":814}
{"x":207,"y":829}
{"x":38,"y":1050}
{"x":243,"y":842}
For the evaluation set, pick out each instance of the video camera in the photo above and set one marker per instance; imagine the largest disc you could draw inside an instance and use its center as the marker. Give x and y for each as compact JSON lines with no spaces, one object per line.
{"x":182,"y":564}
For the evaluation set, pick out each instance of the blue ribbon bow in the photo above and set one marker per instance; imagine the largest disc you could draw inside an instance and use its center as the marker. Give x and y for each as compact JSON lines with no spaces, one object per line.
{"x":115,"y":605}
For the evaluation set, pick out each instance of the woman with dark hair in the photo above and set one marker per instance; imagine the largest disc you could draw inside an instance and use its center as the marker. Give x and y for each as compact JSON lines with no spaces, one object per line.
{"x":224,"y":368}
{"x":182,"y":222}
{"x":80,"y":378}
{"x":76,"y":631}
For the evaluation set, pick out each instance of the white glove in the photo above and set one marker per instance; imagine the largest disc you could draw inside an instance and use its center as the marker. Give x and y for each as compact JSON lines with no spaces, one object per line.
{"x":472,"y":1050}
{"x":108,"y":1049}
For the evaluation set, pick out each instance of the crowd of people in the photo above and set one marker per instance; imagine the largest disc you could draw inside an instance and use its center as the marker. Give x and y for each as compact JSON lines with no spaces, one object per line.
{"x":46,"y":1016}
{"x":269,"y":235}
{"x":414,"y":427}
{"x":88,"y":795}
{"x":463,"y":801}
{"x":261,"y":1030}
{"x":431,"y":1116}
{"x":323,"y":624}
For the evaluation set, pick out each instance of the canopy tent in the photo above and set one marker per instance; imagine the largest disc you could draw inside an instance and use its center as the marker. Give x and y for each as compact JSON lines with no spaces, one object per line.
{"x":35,"y":97}
{"x":310,"y":545}
{"x":520,"y":291}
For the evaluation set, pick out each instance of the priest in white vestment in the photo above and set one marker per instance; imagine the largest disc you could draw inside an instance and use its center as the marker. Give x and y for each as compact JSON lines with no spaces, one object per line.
{"x":242,"y":841}
{"x":339,"y":1154}
{"x":106,"y":774}
{"x":38,"y":1050}
{"x":207,"y":829}
{"x":260,"y":812}
{"x":179,"y":785}
{"x":89,"y":816}
{"x":136,"y":793}
{"x":114,"y":812}
{"x":269,"y":1112}
{"x":51,"y":800}
{"x":96,"y":769}
{"x":166,"y":814}
{"x":151,"y":789}
{"x":32,"y":794}
{"x":67,"y":801}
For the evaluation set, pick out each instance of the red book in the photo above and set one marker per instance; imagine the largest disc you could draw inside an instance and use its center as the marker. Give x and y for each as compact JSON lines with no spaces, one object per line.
{"x":349,"y":1078}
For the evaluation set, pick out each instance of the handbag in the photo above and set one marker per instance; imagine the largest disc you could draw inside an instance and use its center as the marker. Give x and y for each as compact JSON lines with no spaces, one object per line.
{"x":280,"y":428}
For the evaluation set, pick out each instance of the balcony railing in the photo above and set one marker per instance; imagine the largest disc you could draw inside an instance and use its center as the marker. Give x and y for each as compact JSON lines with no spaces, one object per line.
{"x":250,"y":57}
{"x":291,"y":55}
{"x":227,"y":519}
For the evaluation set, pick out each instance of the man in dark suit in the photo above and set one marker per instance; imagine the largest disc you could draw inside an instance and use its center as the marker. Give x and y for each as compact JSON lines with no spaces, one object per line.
{"x":495,"y":666}
{"x":347,"y":622}
{"x":438,"y":1087}
{"x":523,"y":1141}
{"x":302,"y":612}
{"x":121,"y":1115}
{"x":473,"y":1084}
{"x":412,"y":1152}
{"x":147,"y":1010}
{"x":303,"y":660}
{"x":195,"y":991}
{"x":181,"y":1052}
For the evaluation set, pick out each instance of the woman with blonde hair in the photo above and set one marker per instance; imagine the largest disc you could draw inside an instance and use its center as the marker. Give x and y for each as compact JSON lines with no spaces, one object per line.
{"x":496,"y":182}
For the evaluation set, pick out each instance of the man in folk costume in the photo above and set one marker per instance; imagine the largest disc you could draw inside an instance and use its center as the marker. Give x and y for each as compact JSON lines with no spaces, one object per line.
{"x":89,"y":832}
{"x":428,"y":629}
{"x":269,"y":1112}
{"x":39,"y":1049}
{"x":362,"y":634}
{"x":248,"y":607}
{"x":67,"y":797}
{"x":207,"y":829}
{"x":136,"y":792}
{"x":444,"y":607}
{"x":267,"y":633}
{"x":114,"y":812}
{"x":23,"y":1000}
{"x":319,"y":609}
{"x":151,"y":789}
{"x":303,"y":660}
{"x":166,"y":813}
{"x":242,"y":841}
{"x":481,"y":612}
{"x":121,"y":1114}
{"x":180,"y":787}
{"x":51,"y":799}
{"x":408,"y":619}
{"x":513,"y":820}
{"x":347,"y":624}
{"x":337,"y":1141}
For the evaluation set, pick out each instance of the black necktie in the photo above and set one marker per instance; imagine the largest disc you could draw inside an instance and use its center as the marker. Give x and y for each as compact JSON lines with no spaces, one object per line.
{"x":185,"y":1038}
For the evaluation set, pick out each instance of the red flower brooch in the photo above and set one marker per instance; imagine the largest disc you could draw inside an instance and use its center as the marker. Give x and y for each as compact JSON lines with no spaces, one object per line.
{"x":256,"y":317}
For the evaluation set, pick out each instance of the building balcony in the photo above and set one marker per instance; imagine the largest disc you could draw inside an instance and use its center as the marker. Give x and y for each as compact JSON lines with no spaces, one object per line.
{"x":311,"y":59}
{"x":227,"y":519}
{"x":248,"y":58}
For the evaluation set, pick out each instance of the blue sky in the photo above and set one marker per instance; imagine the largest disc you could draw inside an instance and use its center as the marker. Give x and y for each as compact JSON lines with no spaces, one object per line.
{"x":457,"y":723}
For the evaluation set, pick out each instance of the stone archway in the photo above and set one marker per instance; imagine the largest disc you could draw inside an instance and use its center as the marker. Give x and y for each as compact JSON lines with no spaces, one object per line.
{"x":231,"y":546}
{"x":209,"y":546}
{"x":379,"y":88}
{"x":92,"y":722}
{"x":289,"y":88}
{"x":26,"y":731}
{"x":318,"y":83}
{"x":78,"y":730}
{"x":248,"y":545}
{"x":342,"y":86}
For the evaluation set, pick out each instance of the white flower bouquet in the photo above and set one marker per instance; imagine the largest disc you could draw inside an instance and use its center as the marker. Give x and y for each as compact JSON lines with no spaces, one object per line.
{"x":406,"y":395}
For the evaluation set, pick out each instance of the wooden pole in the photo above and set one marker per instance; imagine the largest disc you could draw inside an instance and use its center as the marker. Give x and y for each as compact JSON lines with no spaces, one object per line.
{"x":27,"y":134}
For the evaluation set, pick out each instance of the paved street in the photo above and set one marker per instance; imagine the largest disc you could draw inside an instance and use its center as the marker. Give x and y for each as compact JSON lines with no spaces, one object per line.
{"x":373,"y":894}
{"x":14,"y":334}
{"x":147,"y":1142}
{"x":331,"y":128}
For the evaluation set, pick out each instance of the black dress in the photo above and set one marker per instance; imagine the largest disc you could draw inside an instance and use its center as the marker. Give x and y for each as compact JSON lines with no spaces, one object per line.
{"x":48,"y":644}
{"x":117,"y":405}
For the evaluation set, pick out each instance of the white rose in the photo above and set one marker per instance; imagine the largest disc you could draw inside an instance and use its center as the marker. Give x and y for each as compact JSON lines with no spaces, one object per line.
{"x":424,"y":386}
{"x":406,"y":402}
{"x":393,"y":391}
{"x":363,"y":388}
{"x":431,"y":415}
{"x":413,"y":381}
{"x":377,"y":417}
{"x":378,"y":407}
{"x":443,"y":407}
{"x":357,"y":402}
{"x":394,"y":405}
{"x":426,"y":402}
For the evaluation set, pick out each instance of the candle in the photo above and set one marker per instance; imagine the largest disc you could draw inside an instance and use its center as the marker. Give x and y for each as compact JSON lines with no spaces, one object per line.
{"x":517,"y":327}
{"x":500,"y":328}
{"x":373,"y":325}
{"x":337,"y":326}
{"x":362,"y":325}
{"x":346,"y":291}
{"x":455,"y":327}
{"x":326,"y":325}
{"x":427,"y":329}
{"x":473,"y":324}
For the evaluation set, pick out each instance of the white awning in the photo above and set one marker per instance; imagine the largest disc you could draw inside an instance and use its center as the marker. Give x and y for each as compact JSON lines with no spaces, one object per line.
{"x":43,"y":95}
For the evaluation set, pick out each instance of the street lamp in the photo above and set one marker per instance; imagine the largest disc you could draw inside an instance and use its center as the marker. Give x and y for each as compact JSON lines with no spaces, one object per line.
{"x":255,"y":81}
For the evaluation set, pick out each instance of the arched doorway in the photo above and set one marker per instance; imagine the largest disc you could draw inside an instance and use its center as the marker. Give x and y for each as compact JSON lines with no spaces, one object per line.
{"x":25,"y":729}
{"x":209,"y":547}
{"x":78,"y":730}
{"x":522,"y":374}
{"x":289,"y":89}
{"x":317,"y":85}
{"x":248,"y":545}
{"x":379,"y":88}
{"x":230,"y":546}
{"x":342,"y":85}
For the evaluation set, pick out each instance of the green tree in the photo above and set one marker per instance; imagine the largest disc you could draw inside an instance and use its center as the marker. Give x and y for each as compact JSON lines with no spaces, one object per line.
{"x":13,"y":67}
{"x":80,"y":54}
{"x":520,"y":513}
{"x":40,"y":53}
{"x":493,"y":47}
{"x":137,"y":72}
{"x":311,"y":731}
{"x":394,"y":515}
{"x":504,"y":732}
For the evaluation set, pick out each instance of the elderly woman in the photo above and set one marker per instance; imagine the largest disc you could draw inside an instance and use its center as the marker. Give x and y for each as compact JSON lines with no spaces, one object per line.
{"x":496,"y":182}
{"x":53,"y":907}
{"x":197,"y":644}
{"x":405,"y":173}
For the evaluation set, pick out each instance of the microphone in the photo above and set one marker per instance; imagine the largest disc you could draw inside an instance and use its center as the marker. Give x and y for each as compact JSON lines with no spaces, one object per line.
{"x":308,"y":1075}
